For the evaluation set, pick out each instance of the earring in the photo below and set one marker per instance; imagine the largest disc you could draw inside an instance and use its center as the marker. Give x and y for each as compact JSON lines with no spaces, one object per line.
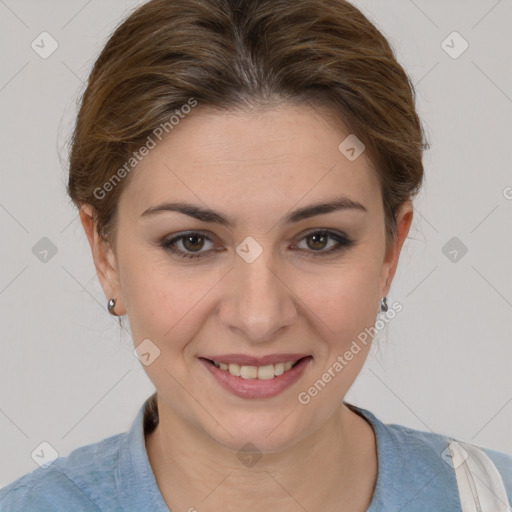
{"x":384,"y":304}
{"x":111,"y":305}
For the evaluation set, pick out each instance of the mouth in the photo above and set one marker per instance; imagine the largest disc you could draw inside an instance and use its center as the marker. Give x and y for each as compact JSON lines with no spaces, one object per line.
{"x":263,"y":372}
{"x":251,"y":381}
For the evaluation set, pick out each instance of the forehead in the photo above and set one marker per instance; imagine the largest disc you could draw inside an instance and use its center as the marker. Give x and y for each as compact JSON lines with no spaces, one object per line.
{"x":253,"y":161}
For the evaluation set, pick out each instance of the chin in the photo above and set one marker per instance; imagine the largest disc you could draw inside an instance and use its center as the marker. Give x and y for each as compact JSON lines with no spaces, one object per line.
{"x":268,"y":433}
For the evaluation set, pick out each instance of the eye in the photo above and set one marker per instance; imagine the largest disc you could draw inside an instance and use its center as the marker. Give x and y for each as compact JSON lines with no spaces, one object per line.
{"x":191,"y":242}
{"x":319,"y":241}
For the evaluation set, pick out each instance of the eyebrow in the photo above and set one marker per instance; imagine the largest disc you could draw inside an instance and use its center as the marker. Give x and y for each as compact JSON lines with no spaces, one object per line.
{"x":208,"y":215}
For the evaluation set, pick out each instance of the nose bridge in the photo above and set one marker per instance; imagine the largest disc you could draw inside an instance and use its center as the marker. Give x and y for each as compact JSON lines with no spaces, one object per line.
{"x":259,"y":303}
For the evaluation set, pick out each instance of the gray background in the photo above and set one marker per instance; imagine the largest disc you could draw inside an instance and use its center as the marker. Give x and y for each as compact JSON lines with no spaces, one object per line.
{"x":67,"y":374}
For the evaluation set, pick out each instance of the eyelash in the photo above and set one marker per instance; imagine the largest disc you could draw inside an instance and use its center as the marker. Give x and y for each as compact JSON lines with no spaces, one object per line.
{"x":342,"y":241}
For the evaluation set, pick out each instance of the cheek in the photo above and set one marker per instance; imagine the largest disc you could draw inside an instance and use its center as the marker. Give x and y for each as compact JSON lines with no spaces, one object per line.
{"x":149,"y":290}
{"x":168,"y":301}
{"x":163,"y":301}
{"x":345,"y":301}
{"x":344,"y":298}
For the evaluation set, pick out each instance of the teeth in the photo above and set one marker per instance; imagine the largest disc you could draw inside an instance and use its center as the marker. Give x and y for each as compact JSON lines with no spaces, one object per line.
{"x":279,"y":369}
{"x":248,"y":372}
{"x":234,"y":369}
{"x":266,"y":372}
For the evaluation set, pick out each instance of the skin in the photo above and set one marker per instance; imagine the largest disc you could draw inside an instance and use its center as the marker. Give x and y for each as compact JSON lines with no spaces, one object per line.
{"x":254,"y":167}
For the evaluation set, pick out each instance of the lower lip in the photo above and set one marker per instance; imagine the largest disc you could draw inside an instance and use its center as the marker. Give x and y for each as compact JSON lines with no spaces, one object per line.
{"x":257,"y":388}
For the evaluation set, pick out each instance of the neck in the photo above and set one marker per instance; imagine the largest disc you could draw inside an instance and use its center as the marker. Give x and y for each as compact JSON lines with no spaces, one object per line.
{"x":337,"y":462}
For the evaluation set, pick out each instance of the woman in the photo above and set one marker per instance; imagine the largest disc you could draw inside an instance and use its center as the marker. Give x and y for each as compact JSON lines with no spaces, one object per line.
{"x":244,"y":173}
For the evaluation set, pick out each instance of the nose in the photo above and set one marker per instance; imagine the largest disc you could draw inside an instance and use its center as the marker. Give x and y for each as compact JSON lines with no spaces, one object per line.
{"x":259,"y":303}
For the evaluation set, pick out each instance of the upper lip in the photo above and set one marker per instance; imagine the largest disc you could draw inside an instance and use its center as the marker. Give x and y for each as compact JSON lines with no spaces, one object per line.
{"x":245,"y":360}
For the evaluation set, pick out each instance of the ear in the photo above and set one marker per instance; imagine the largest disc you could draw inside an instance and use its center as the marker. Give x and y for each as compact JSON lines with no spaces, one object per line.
{"x":104,"y":258}
{"x":403,"y":224}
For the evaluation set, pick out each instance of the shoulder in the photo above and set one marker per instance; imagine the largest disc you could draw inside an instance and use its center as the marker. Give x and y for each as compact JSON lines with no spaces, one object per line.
{"x":434,"y":446}
{"x":419,"y":448}
{"x":422,"y":462}
{"x":80,"y":481}
{"x":438,"y":452}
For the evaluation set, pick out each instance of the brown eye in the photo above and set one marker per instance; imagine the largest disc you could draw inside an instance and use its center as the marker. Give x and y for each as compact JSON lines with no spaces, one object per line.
{"x":190,"y":243}
{"x":317,"y":241}
{"x":193,"y":242}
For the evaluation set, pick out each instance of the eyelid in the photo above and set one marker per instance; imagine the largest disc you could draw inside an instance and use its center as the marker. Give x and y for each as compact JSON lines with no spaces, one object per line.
{"x":168,"y":244}
{"x":329,"y":231}
{"x":341,"y":239}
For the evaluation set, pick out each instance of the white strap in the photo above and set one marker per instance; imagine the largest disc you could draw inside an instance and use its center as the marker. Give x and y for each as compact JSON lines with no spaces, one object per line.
{"x":481,"y":487}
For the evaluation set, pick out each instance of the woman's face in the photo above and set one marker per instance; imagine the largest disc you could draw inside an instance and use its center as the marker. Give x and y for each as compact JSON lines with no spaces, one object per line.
{"x":265,"y":282}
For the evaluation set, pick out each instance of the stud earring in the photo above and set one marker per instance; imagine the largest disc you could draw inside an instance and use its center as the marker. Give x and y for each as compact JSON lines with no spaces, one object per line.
{"x":384,"y":304}
{"x":111,"y":305}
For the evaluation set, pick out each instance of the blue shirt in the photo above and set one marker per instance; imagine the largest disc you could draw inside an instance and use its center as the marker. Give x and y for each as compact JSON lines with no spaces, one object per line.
{"x":115,"y":475}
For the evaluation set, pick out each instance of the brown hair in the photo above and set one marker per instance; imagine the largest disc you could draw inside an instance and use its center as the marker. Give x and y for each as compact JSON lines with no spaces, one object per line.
{"x":235,"y":54}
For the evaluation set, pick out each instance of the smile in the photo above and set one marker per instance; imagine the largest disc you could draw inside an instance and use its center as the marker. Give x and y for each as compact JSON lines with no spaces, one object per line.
{"x":251,"y":381}
{"x":266,"y":372}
